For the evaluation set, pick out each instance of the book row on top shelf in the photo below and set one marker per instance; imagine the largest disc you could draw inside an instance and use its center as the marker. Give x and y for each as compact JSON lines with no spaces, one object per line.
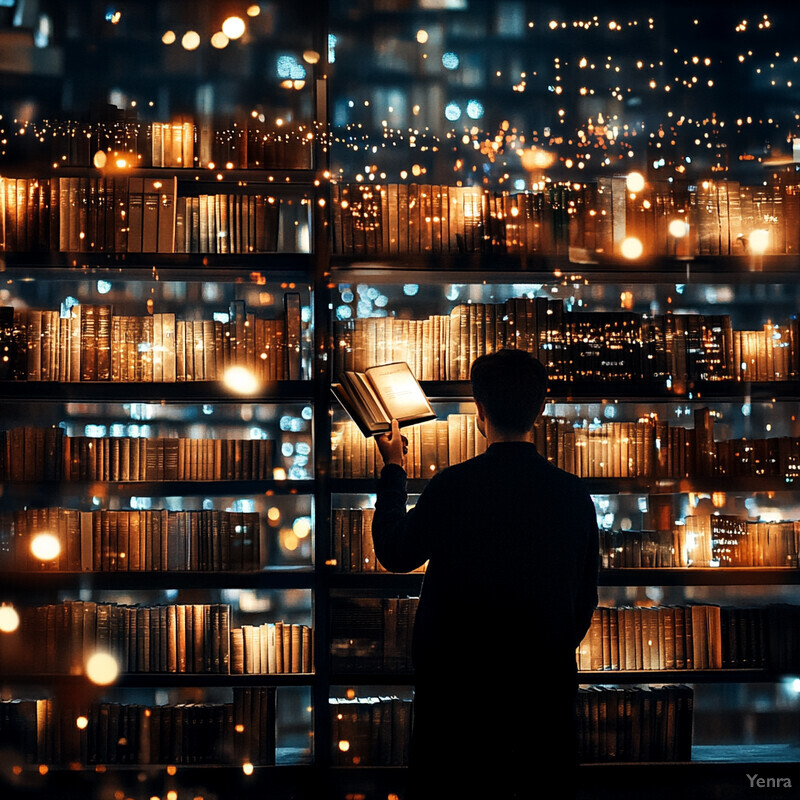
{"x":621,"y":217}
{"x":128,"y":213}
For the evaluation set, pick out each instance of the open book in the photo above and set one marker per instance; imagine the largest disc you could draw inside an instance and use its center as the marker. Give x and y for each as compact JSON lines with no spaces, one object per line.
{"x":378,"y":395}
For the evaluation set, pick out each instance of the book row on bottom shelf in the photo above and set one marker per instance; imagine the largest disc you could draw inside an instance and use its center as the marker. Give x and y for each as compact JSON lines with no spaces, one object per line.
{"x":625,"y":724}
{"x":68,"y":732}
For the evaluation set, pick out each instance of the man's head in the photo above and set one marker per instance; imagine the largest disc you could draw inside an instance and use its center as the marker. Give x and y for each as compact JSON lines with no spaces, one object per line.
{"x":510,"y":386}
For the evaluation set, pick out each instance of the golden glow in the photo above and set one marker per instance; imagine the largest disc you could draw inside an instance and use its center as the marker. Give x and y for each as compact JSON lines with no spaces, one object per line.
{"x":254,"y":10}
{"x":678,"y":228}
{"x":247,"y":768}
{"x":279,"y":474}
{"x":344,"y":745}
{"x":301,"y":527}
{"x":241,"y":380}
{"x":759,"y":241}
{"x":422,"y":36}
{"x":311,"y":56}
{"x":45,"y":547}
{"x":274,"y":514}
{"x":635,"y":182}
{"x":169,"y":37}
{"x":9,"y":619}
{"x":233,"y":27}
{"x":100,"y":159}
{"x":219,"y":40}
{"x":102,"y":669}
{"x":190,"y":40}
{"x":631,"y":247}
{"x":81,"y":723}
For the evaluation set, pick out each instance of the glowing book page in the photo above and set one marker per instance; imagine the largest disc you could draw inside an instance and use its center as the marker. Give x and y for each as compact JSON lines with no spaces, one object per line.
{"x":400,"y":392}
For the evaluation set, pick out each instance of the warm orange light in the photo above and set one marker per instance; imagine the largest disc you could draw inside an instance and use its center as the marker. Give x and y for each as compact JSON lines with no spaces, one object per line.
{"x":45,"y":547}
{"x":233,"y":27}
{"x":631,"y":248}
{"x":241,"y":380}
{"x":102,"y":669}
{"x":9,"y":619}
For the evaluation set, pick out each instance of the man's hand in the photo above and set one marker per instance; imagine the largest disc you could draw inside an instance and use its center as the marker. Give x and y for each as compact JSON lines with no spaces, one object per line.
{"x":392,"y":446}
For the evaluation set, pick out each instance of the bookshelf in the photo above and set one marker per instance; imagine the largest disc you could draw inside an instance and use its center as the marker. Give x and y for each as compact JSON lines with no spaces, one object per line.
{"x":277,"y":225}
{"x":639,"y":510}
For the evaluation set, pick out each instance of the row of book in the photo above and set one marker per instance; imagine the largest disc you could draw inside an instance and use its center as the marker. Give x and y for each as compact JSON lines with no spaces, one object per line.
{"x":585,"y":219}
{"x":48,"y":454}
{"x":372,"y":634}
{"x":695,"y":637}
{"x":198,"y":638}
{"x":673,"y":349}
{"x":179,"y":143}
{"x":44,"y":731}
{"x":370,"y":731}
{"x":129,"y":214}
{"x":133,"y":541}
{"x":635,"y":723}
{"x":352,"y":549}
{"x":649,"y":448}
{"x":272,"y":647}
{"x":615,"y":724}
{"x":716,"y":540}
{"x":92,"y":343}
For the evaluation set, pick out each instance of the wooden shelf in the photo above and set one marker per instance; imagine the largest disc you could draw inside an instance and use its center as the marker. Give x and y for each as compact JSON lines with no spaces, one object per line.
{"x":163,"y":680}
{"x":642,"y":391}
{"x":54,"y":580}
{"x":700,"y":576}
{"x":507,"y":268}
{"x":758,"y":483}
{"x":166,"y":266}
{"x":179,"y":391}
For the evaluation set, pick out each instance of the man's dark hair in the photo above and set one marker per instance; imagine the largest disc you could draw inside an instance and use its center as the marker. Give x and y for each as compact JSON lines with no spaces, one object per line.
{"x":511,"y":385}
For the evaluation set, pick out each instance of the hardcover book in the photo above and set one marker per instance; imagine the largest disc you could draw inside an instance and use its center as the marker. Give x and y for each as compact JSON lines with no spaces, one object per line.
{"x":379,"y":394}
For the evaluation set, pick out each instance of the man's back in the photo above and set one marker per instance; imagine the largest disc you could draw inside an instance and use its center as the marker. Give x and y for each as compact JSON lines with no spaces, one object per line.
{"x":512,"y":549}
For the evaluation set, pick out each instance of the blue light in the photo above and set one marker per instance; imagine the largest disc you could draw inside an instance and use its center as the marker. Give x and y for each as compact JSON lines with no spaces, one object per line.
{"x":450,"y":61}
{"x":452,"y":111}
{"x":344,"y":312}
{"x":474,"y":109}
{"x":410,"y":289}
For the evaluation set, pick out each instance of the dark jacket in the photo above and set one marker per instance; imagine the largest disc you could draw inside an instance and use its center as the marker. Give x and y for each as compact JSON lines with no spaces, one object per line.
{"x":511,"y":543}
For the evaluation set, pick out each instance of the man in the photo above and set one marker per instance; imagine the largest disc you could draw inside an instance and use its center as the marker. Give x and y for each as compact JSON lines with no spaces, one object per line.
{"x":511,"y":546}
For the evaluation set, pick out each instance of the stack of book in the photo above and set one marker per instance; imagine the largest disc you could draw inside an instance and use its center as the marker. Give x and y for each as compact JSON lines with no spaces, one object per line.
{"x":649,"y":448}
{"x":673,"y":349}
{"x":48,"y":454}
{"x":589,"y":220}
{"x":130,"y":214}
{"x":131,"y":541}
{"x":635,"y":724}
{"x":92,"y":343}
{"x":370,"y":731}
{"x":372,"y":634}
{"x":271,"y":648}
{"x":59,"y":638}
{"x":44,"y":731}
{"x":717,"y":540}
{"x":679,"y":637}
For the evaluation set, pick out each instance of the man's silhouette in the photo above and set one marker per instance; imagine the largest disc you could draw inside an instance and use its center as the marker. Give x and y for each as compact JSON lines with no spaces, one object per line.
{"x":511,"y":546}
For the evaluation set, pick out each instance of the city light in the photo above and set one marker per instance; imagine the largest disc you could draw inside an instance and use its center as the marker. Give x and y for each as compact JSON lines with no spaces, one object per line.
{"x":233,"y":27}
